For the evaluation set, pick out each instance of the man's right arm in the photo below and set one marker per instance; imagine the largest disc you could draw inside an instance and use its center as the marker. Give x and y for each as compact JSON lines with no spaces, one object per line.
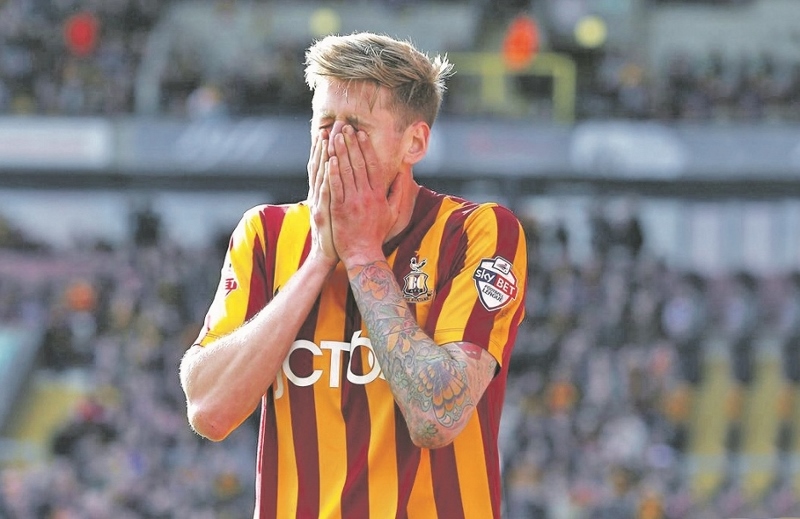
{"x":225,"y":380}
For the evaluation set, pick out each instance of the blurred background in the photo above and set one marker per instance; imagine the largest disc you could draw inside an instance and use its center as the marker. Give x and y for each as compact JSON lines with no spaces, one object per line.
{"x":651,"y":147}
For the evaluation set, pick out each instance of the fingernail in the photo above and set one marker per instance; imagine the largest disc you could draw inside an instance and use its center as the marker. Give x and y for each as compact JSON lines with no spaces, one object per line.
{"x":362,"y":136}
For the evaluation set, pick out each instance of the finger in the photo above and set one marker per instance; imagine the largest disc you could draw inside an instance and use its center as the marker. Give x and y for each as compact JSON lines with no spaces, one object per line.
{"x":313,"y":150}
{"x":335,"y":130}
{"x":356,"y":158}
{"x":324,"y":189}
{"x":333,"y":178}
{"x":313,"y":164}
{"x":374,"y":174}
{"x":323,"y":159}
{"x":344,"y":168}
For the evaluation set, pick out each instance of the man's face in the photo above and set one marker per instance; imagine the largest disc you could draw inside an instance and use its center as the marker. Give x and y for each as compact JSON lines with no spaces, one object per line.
{"x":363,"y":106}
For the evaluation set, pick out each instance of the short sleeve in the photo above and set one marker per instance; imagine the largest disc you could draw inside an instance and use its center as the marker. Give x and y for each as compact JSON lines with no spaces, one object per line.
{"x":240,"y":280}
{"x":484,"y":300}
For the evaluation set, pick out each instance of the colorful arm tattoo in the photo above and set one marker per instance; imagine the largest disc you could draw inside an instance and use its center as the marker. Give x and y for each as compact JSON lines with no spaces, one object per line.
{"x":430,"y":383}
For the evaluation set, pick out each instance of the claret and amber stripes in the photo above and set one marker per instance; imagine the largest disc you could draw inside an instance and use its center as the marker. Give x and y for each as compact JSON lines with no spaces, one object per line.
{"x":333,"y":444}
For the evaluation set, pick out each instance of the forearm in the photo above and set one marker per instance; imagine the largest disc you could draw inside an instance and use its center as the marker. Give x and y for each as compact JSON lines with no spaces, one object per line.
{"x":429,"y":384}
{"x":225,"y":380}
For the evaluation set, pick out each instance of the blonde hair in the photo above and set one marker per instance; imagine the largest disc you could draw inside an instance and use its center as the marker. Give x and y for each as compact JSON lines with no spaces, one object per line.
{"x":416,"y":83}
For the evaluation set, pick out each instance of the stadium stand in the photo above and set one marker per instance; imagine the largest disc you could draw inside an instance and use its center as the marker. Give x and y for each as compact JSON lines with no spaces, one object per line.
{"x":658,"y":373}
{"x":250,"y":52}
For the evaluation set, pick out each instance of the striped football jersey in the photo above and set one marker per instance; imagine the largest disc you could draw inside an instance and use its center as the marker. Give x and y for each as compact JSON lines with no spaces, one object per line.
{"x":332,"y":441}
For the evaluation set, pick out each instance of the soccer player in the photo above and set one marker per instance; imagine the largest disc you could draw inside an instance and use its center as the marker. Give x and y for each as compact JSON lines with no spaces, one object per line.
{"x":373,"y":321}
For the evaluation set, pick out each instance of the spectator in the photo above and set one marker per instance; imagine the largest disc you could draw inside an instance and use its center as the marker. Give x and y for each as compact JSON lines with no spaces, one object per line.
{"x":595,"y":428}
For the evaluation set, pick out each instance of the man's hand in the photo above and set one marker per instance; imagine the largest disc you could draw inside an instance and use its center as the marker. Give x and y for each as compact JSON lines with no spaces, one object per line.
{"x":362,"y":212}
{"x":319,"y":199}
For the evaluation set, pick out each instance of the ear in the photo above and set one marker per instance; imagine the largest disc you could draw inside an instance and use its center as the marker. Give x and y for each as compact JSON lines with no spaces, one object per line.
{"x":416,"y":142}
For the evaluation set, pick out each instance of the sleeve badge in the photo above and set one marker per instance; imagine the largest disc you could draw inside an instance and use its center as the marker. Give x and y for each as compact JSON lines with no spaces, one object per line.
{"x":495,"y":282}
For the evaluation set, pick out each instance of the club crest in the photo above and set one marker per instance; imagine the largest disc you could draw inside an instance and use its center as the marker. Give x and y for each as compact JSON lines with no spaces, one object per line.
{"x":496,"y":283}
{"x":415,"y":289}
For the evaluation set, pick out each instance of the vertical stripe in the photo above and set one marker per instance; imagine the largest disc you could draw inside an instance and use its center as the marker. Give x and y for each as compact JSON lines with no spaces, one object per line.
{"x":490,"y":415}
{"x":408,"y":461}
{"x":266,"y":463}
{"x":331,"y":433}
{"x":480,"y":325}
{"x":284,"y":451}
{"x":244,"y":260}
{"x":421,"y":503}
{"x":446,"y":488}
{"x":479,"y":476}
{"x":259,"y":292}
{"x":433,"y":495}
{"x":272,"y":218}
{"x":511,"y":245}
{"x":496,"y":391}
{"x":290,"y":406}
{"x":304,"y":426}
{"x":450,"y":261}
{"x":383,"y":462}
{"x":426,"y":224}
{"x":293,"y":245}
{"x":490,"y":427}
{"x":425,"y":248}
{"x":473,"y":474}
{"x":381,"y":459}
{"x":355,"y":494}
{"x":509,"y":233}
{"x":290,"y":242}
{"x":497,"y":330}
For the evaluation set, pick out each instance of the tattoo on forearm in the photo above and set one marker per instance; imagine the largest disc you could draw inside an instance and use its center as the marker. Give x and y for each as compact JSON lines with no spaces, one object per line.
{"x":421,"y":373}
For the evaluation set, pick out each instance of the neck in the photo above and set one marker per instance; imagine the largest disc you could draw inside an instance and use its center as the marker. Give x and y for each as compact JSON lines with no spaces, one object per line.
{"x":406,"y":208}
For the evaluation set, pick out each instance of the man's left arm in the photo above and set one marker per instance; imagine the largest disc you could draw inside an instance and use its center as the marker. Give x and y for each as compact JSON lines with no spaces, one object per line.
{"x":435,"y":386}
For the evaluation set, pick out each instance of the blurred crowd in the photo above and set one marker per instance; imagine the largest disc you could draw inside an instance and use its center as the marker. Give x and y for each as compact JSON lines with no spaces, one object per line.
{"x":82,"y":57}
{"x":116,"y":324}
{"x":72,"y":57}
{"x":596,"y":423}
{"x":713,"y":86}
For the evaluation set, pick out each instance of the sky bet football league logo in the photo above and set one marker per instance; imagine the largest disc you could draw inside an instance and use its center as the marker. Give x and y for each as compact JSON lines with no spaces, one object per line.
{"x":496,"y":284}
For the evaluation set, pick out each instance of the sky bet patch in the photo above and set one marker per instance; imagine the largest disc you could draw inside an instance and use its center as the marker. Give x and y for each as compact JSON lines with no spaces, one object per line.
{"x":496,"y":283}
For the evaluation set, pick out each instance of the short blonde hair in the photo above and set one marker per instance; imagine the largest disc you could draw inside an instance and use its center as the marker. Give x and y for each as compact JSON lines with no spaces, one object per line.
{"x":416,"y":82}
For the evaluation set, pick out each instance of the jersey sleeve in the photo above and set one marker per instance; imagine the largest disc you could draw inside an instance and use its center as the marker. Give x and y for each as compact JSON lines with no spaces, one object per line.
{"x":484,"y":299}
{"x":240,"y":290}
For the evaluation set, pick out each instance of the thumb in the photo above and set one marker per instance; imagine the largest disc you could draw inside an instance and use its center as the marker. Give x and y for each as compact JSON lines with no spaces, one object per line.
{"x":395,"y":194}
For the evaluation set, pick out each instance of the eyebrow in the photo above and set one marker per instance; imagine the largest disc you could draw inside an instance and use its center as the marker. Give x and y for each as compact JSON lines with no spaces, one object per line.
{"x":352,"y":120}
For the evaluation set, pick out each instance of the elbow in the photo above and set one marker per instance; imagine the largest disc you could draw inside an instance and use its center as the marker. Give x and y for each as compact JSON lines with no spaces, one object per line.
{"x":430,"y":442}
{"x":427,"y":432}
{"x":206,"y":412}
{"x":209,"y":423}
{"x":430,"y":436}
